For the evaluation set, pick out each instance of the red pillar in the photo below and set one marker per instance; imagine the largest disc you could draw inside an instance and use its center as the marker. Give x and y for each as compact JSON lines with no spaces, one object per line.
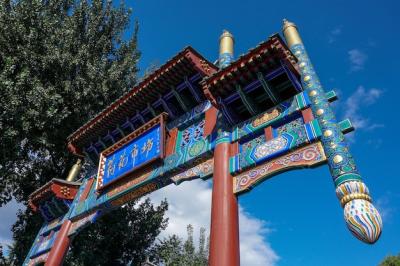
{"x":224,"y":240}
{"x":60,"y":247}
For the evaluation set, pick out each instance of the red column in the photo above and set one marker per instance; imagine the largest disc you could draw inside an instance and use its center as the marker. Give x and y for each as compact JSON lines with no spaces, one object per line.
{"x":60,"y":247}
{"x":224,"y":240}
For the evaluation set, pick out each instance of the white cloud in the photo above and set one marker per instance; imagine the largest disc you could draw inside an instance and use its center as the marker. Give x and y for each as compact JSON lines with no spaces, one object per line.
{"x":359,"y":99}
{"x":254,"y":249}
{"x":334,"y":34}
{"x":190,"y":203}
{"x":385,"y":206}
{"x":8,"y":214}
{"x":357,"y":59}
{"x":375,"y":143}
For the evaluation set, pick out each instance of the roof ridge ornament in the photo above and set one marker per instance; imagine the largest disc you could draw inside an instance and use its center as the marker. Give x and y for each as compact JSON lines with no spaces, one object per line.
{"x":226,"y":42}
{"x":289,"y":30}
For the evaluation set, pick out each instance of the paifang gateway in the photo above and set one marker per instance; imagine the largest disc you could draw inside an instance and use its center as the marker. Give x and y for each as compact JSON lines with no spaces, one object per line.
{"x":239,"y":122}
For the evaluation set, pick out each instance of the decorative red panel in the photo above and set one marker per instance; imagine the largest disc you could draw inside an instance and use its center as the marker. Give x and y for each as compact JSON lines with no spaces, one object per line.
{"x":211,"y":120}
{"x":233,"y":149}
{"x":268,"y":132}
{"x":171,"y":141}
{"x":307,"y":115}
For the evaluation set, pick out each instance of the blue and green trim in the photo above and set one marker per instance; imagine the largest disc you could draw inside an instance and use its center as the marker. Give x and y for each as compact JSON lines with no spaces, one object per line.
{"x":340,"y":160}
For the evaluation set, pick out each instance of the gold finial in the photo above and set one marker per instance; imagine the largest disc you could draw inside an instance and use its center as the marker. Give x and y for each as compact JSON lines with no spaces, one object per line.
{"x":226,"y":42}
{"x":290,"y":32}
{"x":73,"y":173}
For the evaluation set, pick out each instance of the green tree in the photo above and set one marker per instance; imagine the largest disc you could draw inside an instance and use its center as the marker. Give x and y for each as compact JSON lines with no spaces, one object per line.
{"x":61,"y":62}
{"x":391,"y":261}
{"x":173,"y":251}
{"x":112,"y":242}
{"x":3,"y":260}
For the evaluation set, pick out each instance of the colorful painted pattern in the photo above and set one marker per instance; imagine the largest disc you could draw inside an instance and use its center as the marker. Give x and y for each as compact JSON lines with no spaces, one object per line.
{"x":340,"y":161}
{"x":52,"y":225}
{"x":258,"y":150}
{"x":350,"y":190}
{"x":54,"y":208}
{"x":274,"y":115}
{"x":190,"y":145}
{"x":202,"y":170}
{"x":265,"y":117}
{"x":310,"y":155}
{"x":296,"y":123}
{"x":137,"y":193}
{"x":36,"y":261}
{"x":137,"y":180}
{"x":270,"y":147}
{"x":44,"y":243}
{"x":79,"y":224}
{"x":360,"y":215}
{"x":225,"y":60}
{"x":191,"y":116}
{"x":192,"y":134}
{"x":363,"y":220}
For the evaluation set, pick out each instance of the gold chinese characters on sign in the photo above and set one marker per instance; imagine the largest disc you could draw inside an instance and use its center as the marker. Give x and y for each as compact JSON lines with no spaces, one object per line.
{"x":264,"y":118}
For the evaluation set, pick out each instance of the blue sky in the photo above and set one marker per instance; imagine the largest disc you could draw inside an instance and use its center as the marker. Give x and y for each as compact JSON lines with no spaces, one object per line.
{"x":295,"y":218}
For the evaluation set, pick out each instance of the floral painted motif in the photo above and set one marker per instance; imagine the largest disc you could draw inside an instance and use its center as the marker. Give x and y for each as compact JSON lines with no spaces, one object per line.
{"x":270,"y":147}
{"x":192,"y":134}
{"x":296,"y":123}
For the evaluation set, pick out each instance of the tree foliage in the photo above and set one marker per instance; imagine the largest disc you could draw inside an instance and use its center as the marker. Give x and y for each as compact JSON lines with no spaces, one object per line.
{"x":173,"y":251}
{"x":3,"y":260}
{"x":112,"y":242}
{"x":61,"y":62}
{"x":391,"y":261}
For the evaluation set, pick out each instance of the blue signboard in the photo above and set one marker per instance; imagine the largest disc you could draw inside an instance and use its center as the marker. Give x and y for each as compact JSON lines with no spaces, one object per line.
{"x":131,"y":155}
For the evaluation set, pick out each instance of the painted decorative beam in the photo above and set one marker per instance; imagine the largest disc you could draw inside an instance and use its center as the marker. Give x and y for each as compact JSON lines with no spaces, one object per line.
{"x":362,"y":219}
{"x":308,"y":156}
{"x":202,"y":170}
{"x":293,"y":135}
{"x":83,"y":222}
{"x":273,"y":115}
